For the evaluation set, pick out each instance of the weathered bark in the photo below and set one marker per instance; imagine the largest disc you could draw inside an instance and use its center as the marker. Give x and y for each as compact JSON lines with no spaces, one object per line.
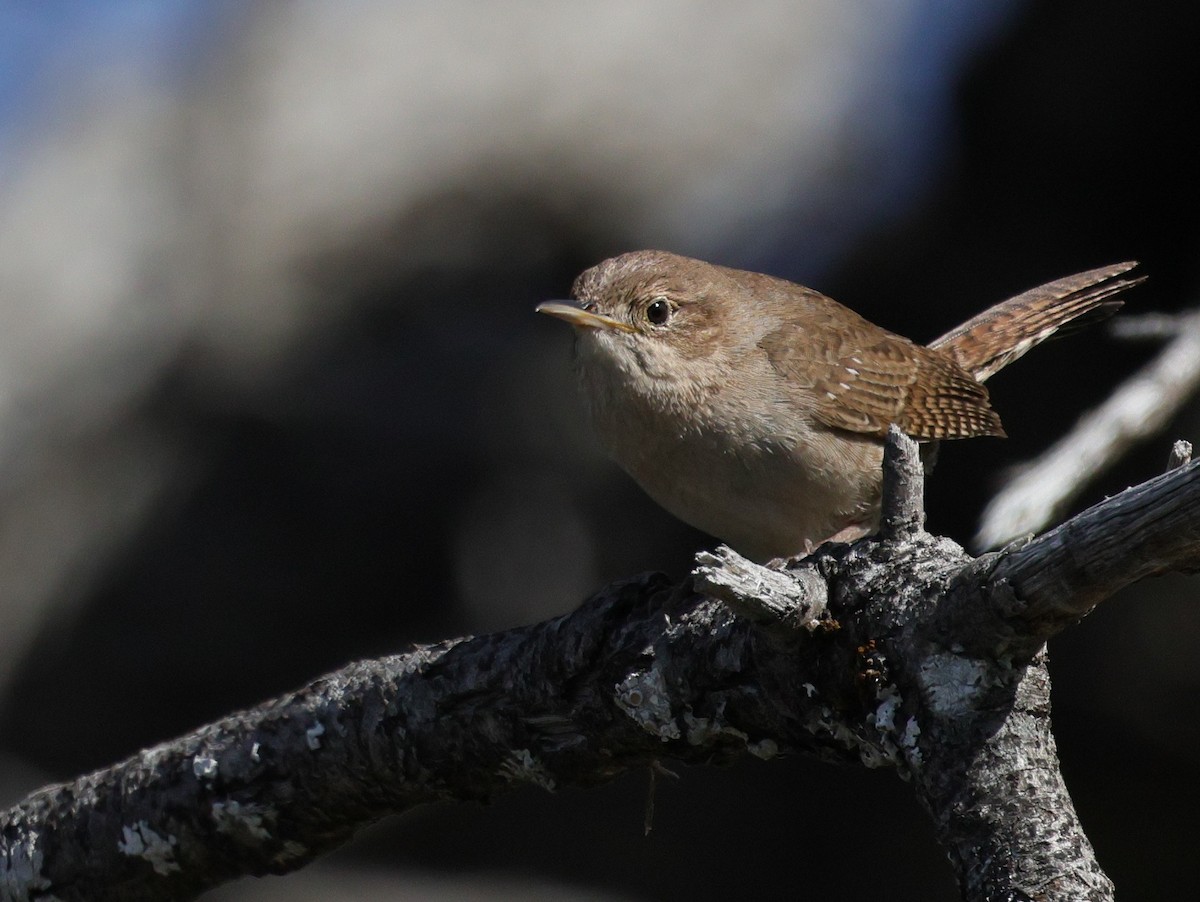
{"x":900,"y":650}
{"x":1039,"y":490}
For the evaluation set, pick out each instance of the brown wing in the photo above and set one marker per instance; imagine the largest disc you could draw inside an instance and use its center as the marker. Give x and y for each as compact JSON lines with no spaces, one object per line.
{"x":863,"y":378}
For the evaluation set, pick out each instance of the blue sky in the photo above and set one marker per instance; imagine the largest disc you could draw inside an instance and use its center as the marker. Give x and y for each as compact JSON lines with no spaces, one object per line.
{"x":45,"y":43}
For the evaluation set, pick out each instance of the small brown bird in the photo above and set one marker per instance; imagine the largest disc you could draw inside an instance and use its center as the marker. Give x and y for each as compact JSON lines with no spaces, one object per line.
{"x":755,"y":409}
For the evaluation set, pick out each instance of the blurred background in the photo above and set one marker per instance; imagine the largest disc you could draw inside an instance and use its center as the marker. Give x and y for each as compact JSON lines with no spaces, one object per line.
{"x":273,"y":396}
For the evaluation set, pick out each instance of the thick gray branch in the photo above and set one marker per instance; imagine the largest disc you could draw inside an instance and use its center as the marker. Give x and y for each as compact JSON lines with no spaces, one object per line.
{"x":1058,"y":578}
{"x":575,"y":700}
{"x":901,"y":651}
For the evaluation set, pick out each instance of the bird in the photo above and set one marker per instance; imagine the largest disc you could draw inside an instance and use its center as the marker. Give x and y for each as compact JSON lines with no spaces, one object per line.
{"x":755,"y":409}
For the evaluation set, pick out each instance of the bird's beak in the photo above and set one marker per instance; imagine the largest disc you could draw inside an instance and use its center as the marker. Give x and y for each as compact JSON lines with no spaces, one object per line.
{"x":580,"y":318}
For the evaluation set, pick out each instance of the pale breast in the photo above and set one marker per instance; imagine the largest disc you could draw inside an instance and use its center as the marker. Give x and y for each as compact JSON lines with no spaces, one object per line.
{"x":767,"y":499}
{"x":755,"y":472}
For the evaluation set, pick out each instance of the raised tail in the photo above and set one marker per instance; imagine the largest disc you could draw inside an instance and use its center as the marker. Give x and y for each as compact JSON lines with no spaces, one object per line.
{"x":987,"y":343}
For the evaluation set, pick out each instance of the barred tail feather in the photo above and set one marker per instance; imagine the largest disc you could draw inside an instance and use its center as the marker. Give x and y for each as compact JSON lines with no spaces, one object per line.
{"x":1030,"y":318}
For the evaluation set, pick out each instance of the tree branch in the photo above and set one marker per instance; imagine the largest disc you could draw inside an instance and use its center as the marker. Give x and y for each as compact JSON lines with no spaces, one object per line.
{"x":899,"y":651}
{"x":1040,"y":490}
{"x":902,"y":507}
{"x":1147,"y":530}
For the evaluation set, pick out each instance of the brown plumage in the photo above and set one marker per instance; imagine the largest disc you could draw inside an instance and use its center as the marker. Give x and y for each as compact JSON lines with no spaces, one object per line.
{"x":987,"y":343}
{"x":864,"y":378}
{"x":755,"y":408}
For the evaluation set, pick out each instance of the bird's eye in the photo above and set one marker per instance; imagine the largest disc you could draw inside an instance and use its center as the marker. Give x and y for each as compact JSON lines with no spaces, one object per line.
{"x":659,"y":311}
